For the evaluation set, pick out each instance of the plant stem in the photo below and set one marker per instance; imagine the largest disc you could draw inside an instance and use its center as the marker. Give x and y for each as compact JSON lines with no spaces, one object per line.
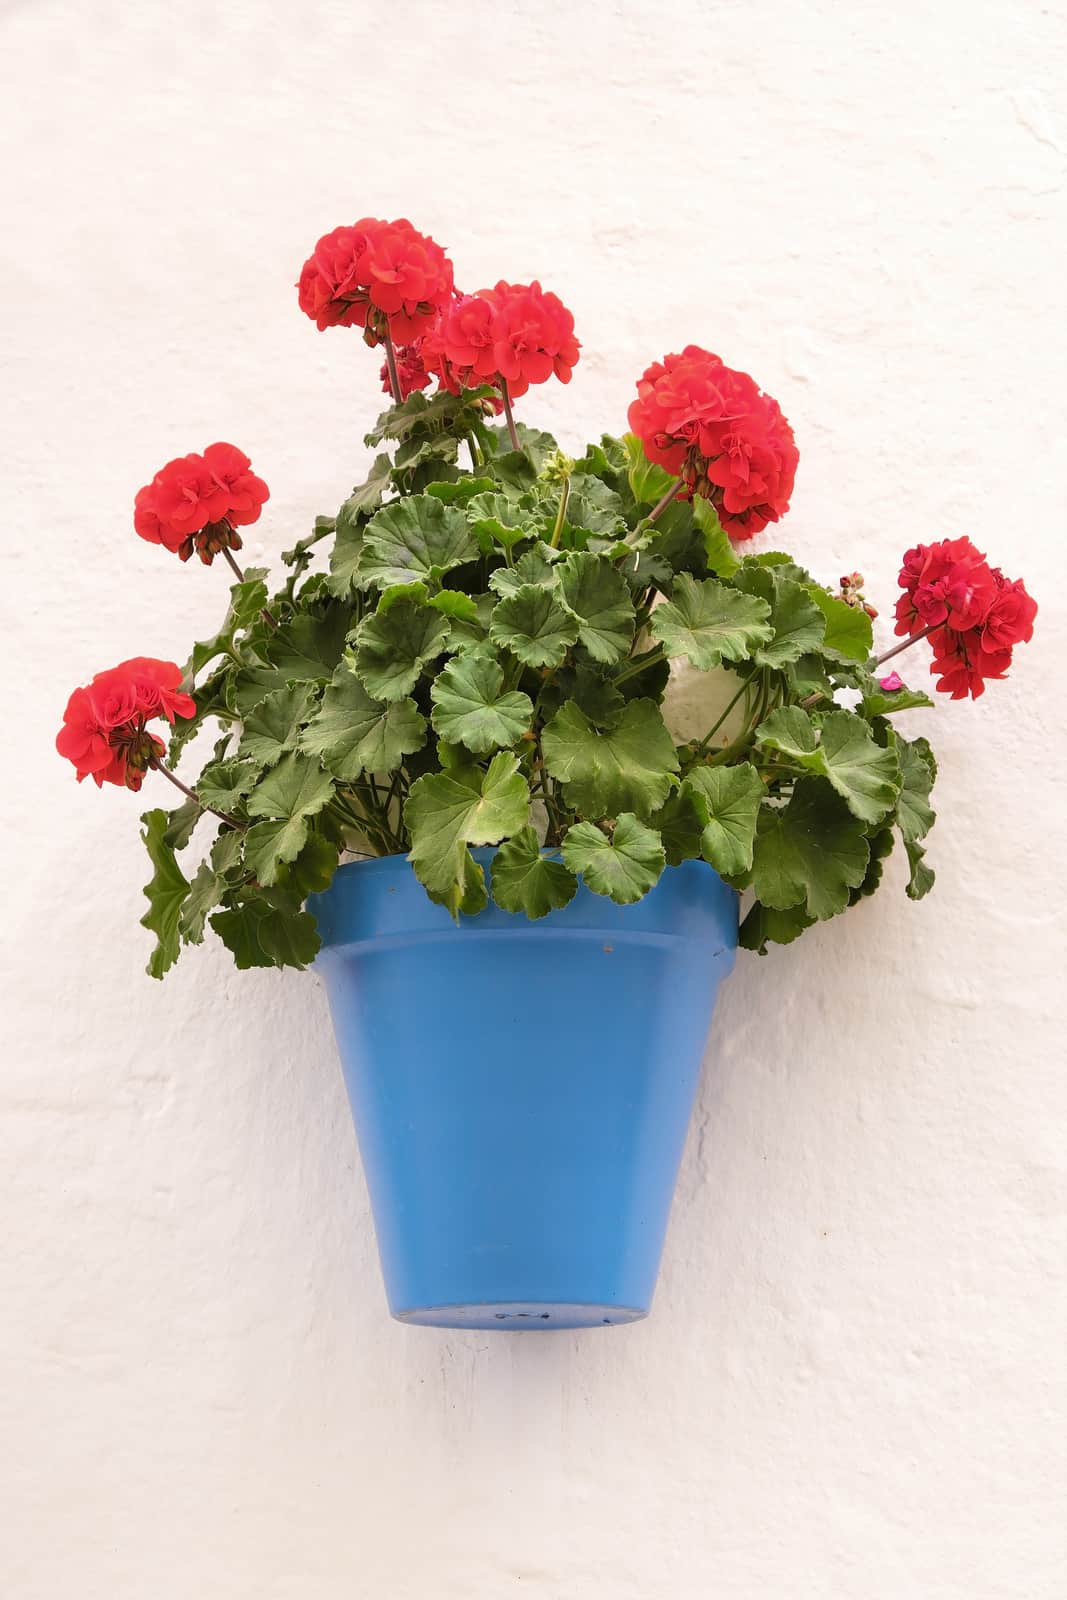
{"x":234,"y":568}
{"x":665,"y":499}
{"x":561,"y":513}
{"x":641,"y":664}
{"x":509,"y":419}
{"x":394,"y":376}
{"x":703,"y":745}
{"x":191,"y":794}
{"x":906,"y":643}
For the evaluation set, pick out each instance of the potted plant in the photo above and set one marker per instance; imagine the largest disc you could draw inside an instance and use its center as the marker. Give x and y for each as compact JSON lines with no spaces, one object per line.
{"x":435,"y":762}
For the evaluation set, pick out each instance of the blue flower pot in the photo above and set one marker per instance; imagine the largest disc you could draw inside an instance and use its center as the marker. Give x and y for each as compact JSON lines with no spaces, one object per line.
{"x":521,"y":1090}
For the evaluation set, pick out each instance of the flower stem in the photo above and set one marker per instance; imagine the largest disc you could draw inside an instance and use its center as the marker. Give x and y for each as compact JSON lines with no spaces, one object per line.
{"x":394,"y":376}
{"x":561,"y":513}
{"x":712,"y":731}
{"x":509,"y":419}
{"x":665,"y":499}
{"x":639,"y":664}
{"x":234,"y":568}
{"x":906,"y":643}
{"x":191,"y":794}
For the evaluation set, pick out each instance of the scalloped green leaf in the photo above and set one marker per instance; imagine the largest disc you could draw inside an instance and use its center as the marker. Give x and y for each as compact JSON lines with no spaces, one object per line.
{"x":524,"y":879}
{"x":534,"y":625}
{"x":810,"y":852}
{"x":629,"y":767}
{"x":273,"y":727}
{"x":472,"y":707}
{"x":354,"y":733}
{"x":841,"y":748}
{"x":797,"y":624}
{"x":709,"y":623}
{"x":224,"y":784}
{"x":600,"y":599}
{"x":764,"y":926}
{"x":446,"y":812}
{"x":623,"y":866}
{"x":418,"y":538}
{"x":718,"y":551}
{"x":648,"y":482}
{"x":496,"y":518}
{"x":848,"y":635}
{"x":294,"y":790}
{"x":537,"y":565}
{"x":914,"y":815}
{"x":730,"y":798}
{"x":393,"y":647}
{"x":166,"y":892}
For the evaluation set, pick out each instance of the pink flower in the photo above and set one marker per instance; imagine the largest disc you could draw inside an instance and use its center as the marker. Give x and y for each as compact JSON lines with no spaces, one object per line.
{"x":891,"y":683}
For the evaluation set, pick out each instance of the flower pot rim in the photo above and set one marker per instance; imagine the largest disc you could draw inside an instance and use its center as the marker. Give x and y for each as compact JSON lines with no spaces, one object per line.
{"x":392,"y":905}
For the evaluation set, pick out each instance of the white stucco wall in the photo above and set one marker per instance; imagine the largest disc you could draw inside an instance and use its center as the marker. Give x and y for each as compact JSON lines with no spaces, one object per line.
{"x":851,"y":1385}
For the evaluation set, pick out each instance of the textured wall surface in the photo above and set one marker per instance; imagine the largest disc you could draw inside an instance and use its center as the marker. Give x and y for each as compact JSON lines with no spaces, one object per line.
{"x":850,"y":1388}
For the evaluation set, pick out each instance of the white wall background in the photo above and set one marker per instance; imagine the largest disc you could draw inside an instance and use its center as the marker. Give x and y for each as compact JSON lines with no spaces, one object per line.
{"x":851,"y":1387}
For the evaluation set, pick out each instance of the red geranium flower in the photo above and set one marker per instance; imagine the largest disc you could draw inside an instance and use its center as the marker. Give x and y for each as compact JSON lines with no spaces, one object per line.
{"x":410,"y":369}
{"x":519,"y":332}
{"x":714,"y":427}
{"x":103,"y":732}
{"x":376,"y":275}
{"x":976,"y":613}
{"x":196,"y":502}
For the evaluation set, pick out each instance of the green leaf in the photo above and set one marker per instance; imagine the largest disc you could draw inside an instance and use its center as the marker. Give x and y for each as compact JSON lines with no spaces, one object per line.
{"x":797,"y":623}
{"x":879,"y":702}
{"x":921,"y":880}
{"x":841,"y":748}
{"x":165,"y":894}
{"x":880,"y":845}
{"x":314,"y":867}
{"x":648,"y":482}
{"x":523,"y":879}
{"x":534,"y":626}
{"x":914,"y":815}
{"x":448,"y":811}
{"x":471,"y":706}
{"x":680,"y":824}
{"x":393,"y":648}
{"x":307,"y":648}
{"x":533,"y":566}
{"x":180,"y":824}
{"x":239,"y":931}
{"x":226,"y":851}
{"x":514,"y":470}
{"x":495,"y":518}
{"x":224,"y":784}
{"x":353,"y":733}
{"x":293,"y":791}
{"x":710,"y":623}
{"x":848,"y":634}
{"x":205,"y":892}
{"x":594,"y":694}
{"x":718,"y":550}
{"x":274,"y":726}
{"x":730,"y":798}
{"x":629,"y":767}
{"x":810,"y":852}
{"x":764,"y":926}
{"x":625,"y":866}
{"x":416,"y":538}
{"x":268,"y":932}
{"x":366,"y":497}
{"x":460,"y":492}
{"x":600,"y":599}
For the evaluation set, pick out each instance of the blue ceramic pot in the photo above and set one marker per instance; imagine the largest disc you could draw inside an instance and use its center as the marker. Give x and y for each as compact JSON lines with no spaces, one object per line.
{"x":521,"y":1090}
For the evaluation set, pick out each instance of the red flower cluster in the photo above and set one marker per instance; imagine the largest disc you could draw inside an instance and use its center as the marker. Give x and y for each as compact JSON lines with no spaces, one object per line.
{"x":409,"y":369}
{"x":103,"y":730}
{"x":979,"y":615}
{"x":715,"y":428}
{"x":196,"y":502}
{"x":376,"y":275}
{"x":519,"y":332}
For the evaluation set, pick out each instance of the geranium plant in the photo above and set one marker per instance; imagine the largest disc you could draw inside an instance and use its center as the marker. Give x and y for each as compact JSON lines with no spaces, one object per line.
{"x":475,"y":649}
